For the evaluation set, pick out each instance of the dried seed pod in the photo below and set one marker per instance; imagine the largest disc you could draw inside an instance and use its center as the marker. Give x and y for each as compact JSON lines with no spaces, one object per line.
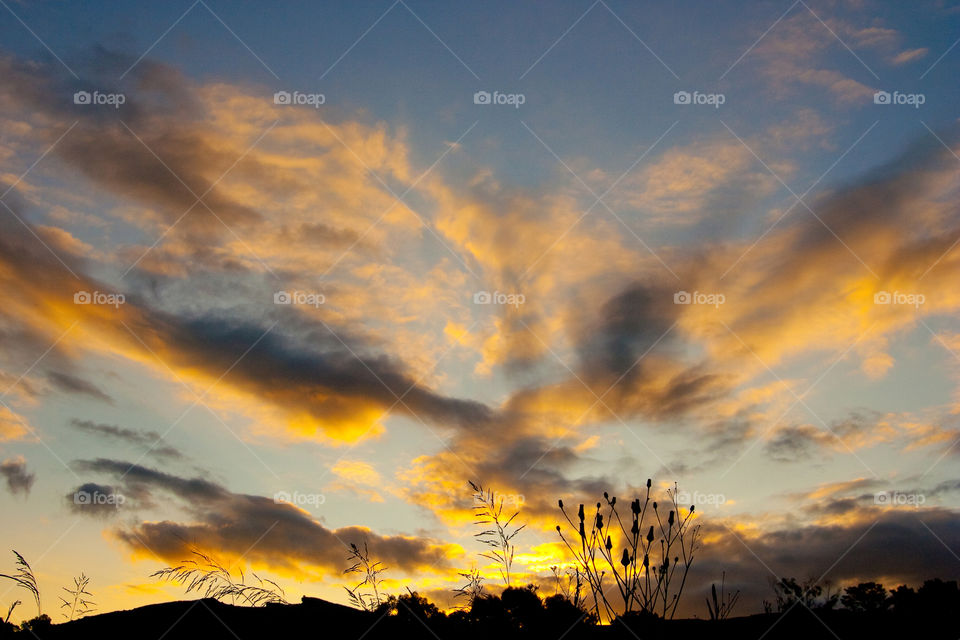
{"x":609,"y":543}
{"x":648,"y":483}
{"x":580,"y":513}
{"x":654,"y":506}
{"x":560,"y":502}
{"x":599,"y":521}
{"x":625,"y":560}
{"x":650,"y":534}
{"x":670,"y":519}
{"x":646,"y":561}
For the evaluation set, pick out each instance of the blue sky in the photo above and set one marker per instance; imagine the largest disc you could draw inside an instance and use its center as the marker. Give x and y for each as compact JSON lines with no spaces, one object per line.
{"x":798,"y":200}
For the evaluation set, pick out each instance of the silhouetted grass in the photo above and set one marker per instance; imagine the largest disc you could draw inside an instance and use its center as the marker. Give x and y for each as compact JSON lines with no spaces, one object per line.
{"x":25,"y":579}
{"x":213,"y":580}
{"x":78,"y":605}
{"x":370,"y":570}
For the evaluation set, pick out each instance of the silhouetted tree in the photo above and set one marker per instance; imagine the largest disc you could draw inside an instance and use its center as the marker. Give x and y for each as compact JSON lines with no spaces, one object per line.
{"x":866,"y":597}
{"x":904,"y":600}
{"x":522,"y":606}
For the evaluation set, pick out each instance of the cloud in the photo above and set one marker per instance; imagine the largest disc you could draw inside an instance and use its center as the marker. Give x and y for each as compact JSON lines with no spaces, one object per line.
{"x":148,"y":439}
{"x":72,"y":384}
{"x":260,"y":530}
{"x":330,"y":379}
{"x":12,"y":425}
{"x":857,"y":549}
{"x":795,"y":53}
{"x":19,"y":480}
{"x":909,"y":55}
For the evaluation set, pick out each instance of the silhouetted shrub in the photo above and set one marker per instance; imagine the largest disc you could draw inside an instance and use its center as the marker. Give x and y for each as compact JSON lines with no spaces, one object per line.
{"x":904,"y":600}
{"x":38,"y":627}
{"x":411,"y":608}
{"x":522,"y":606}
{"x":811,"y":595}
{"x":866,"y":597}
{"x":561,"y":612}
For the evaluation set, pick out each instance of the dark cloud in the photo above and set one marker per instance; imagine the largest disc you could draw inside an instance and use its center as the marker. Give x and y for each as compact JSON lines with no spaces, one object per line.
{"x":98,"y":500}
{"x":903,"y":545}
{"x":795,"y":443}
{"x":261,"y":529}
{"x":150,"y":149}
{"x":150,"y":439}
{"x":14,"y":471}
{"x":72,"y":384}
{"x":316,"y":372}
{"x":337,"y":380}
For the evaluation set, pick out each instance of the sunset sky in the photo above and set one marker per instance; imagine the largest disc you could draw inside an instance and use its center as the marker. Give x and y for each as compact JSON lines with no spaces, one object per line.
{"x":558,"y":248}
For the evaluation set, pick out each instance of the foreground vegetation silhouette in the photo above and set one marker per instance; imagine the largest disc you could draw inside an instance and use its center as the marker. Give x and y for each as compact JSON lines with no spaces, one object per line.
{"x":625,"y":580}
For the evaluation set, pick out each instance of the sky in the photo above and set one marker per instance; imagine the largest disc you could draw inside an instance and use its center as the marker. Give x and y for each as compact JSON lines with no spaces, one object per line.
{"x":281,"y":278}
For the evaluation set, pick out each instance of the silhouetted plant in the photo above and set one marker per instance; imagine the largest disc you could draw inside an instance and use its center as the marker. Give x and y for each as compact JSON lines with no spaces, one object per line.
{"x":206,"y":575}
{"x":646,"y":576}
{"x":78,"y":605}
{"x":866,"y":597}
{"x":721,"y":606}
{"x":522,"y":606}
{"x":473,"y":588}
{"x":569,"y":585}
{"x":789,"y":592}
{"x":37,"y":627}
{"x":13,"y":606}
{"x":488,"y":508}
{"x":410,"y":607}
{"x":371,"y":570}
{"x":25,"y":579}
